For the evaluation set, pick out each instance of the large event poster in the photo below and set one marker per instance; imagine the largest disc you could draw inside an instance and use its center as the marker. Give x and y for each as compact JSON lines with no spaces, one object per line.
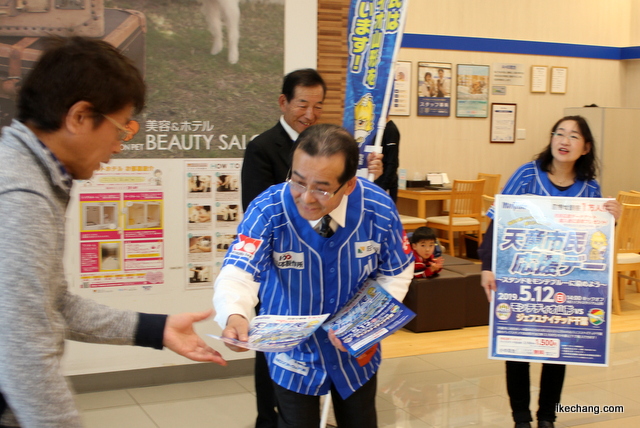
{"x":374,"y":33}
{"x":213,"y":69}
{"x":208,"y":96}
{"x":552,"y":261}
{"x":161,"y":214}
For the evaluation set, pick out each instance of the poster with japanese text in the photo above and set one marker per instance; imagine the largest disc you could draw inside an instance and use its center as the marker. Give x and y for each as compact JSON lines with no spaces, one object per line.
{"x":213,"y":212}
{"x":401,"y":97}
{"x":434,"y":89}
{"x":122,"y":228}
{"x":472,"y":91}
{"x":552,"y":261}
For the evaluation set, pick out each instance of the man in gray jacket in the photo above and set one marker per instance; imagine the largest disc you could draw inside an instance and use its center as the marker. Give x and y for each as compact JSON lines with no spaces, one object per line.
{"x":73,"y":111}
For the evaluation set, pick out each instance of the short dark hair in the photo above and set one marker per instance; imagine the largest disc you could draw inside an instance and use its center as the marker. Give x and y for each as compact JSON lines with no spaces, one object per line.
{"x":423,"y":233}
{"x":306,"y":77}
{"x":586,"y":166}
{"x":328,"y":140}
{"x":73,"y":69}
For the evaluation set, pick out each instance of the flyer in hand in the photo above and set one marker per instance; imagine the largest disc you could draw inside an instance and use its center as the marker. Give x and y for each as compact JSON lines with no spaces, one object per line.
{"x":370,"y":316}
{"x":277,"y":333}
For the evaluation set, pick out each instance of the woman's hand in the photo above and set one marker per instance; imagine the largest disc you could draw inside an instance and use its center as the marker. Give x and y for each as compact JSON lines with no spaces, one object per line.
{"x":614,"y":208}
{"x":488,"y":282}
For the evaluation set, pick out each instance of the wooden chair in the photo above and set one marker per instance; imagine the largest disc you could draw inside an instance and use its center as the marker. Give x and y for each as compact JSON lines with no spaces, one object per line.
{"x":627,"y":247}
{"x":410,"y":223}
{"x":465,"y":213}
{"x":487,"y":201}
{"x":491,"y":183}
{"x":632,"y":197}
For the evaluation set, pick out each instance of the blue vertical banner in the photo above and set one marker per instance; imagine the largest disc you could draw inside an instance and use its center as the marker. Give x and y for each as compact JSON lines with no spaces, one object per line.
{"x":552,"y":259}
{"x":374,"y":37}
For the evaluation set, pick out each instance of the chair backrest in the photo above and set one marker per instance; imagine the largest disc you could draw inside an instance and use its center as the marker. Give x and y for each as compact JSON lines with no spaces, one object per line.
{"x":491,"y":183}
{"x":466,"y":198}
{"x":628,"y":229}
{"x":628,"y":197}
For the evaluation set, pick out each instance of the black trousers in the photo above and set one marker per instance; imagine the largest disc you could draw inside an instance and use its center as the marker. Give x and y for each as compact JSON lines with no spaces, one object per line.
{"x":519,"y":389}
{"x":3,"y":406}
{"x":265,"y":395}
{"x":303,"y":411}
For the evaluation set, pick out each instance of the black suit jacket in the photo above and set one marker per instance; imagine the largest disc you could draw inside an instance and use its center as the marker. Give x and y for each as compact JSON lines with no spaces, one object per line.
{"x":267,"y":160}
{"x":390,"y":149}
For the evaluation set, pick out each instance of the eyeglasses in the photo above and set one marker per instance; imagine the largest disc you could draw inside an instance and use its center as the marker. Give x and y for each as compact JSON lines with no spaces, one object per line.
{"x":125,"y":133}
{"x":569,"y":137}
{"x":320,"y":195}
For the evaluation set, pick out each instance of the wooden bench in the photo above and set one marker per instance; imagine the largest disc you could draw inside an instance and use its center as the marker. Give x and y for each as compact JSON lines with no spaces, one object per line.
{"x":454,"y":299}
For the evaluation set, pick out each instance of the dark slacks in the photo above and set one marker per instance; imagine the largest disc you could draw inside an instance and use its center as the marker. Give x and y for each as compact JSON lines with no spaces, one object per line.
{"x":265,"y":396}
{"x":519,"y":389}
{"x":303,"y":411}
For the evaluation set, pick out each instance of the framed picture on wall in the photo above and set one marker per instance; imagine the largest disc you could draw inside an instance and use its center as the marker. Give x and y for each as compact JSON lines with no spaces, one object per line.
{"x":503,"y":122}
{"x":559,"y":80}
{"x":434,"y":89}
{"x":539,"y":78}
{"x":401,"y":96}
{"x":472,"y":91}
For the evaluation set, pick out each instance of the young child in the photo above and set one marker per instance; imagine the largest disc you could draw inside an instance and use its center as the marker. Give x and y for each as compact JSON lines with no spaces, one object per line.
{"x":423,"y":243}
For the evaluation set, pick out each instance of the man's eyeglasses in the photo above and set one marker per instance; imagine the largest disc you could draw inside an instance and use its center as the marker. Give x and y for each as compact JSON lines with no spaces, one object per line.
{"x":320,"y":195}
{"x":125,"y":133}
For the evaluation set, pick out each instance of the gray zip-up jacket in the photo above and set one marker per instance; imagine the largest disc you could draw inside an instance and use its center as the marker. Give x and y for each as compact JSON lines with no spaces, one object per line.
{"x":37,"y":311}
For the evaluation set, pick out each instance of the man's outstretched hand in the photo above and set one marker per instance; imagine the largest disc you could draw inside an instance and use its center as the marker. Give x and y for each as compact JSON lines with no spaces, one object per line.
{"x":180,"y":337}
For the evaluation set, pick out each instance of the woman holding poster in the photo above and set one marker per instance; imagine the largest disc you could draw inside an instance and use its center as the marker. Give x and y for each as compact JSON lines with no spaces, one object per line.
{"x":566,"y":167}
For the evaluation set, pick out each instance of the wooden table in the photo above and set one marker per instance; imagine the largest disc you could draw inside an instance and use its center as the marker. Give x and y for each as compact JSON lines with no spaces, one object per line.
{"x":421,"y":197}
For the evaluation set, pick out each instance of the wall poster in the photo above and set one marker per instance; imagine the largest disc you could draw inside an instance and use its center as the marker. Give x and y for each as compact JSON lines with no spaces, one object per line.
{"x":539,"y":78}
{"x":559,"y":80}
{"x":507,"y":74}
{"x":401,"y":97}
{"x":434,"y":89}
{"x":503,"y":122}
{"x":207,"y":95}
{"x":213,"y":212}
{"x":148,"y":218}
{"x":472,"y":91}
{"x":122,"y":228}
{"x":552,"y":261}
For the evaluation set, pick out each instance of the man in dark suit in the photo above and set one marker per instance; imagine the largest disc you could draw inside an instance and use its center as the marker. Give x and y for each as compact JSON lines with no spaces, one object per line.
{"x":267,"y":157}
{"x":267,"y":160}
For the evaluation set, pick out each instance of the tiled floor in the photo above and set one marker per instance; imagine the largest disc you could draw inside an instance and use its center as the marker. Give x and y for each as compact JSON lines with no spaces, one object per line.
{"x":453,"y":389}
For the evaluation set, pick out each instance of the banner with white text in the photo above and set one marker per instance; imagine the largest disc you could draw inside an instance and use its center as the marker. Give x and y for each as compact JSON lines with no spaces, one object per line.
{"x":374,"y":31}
